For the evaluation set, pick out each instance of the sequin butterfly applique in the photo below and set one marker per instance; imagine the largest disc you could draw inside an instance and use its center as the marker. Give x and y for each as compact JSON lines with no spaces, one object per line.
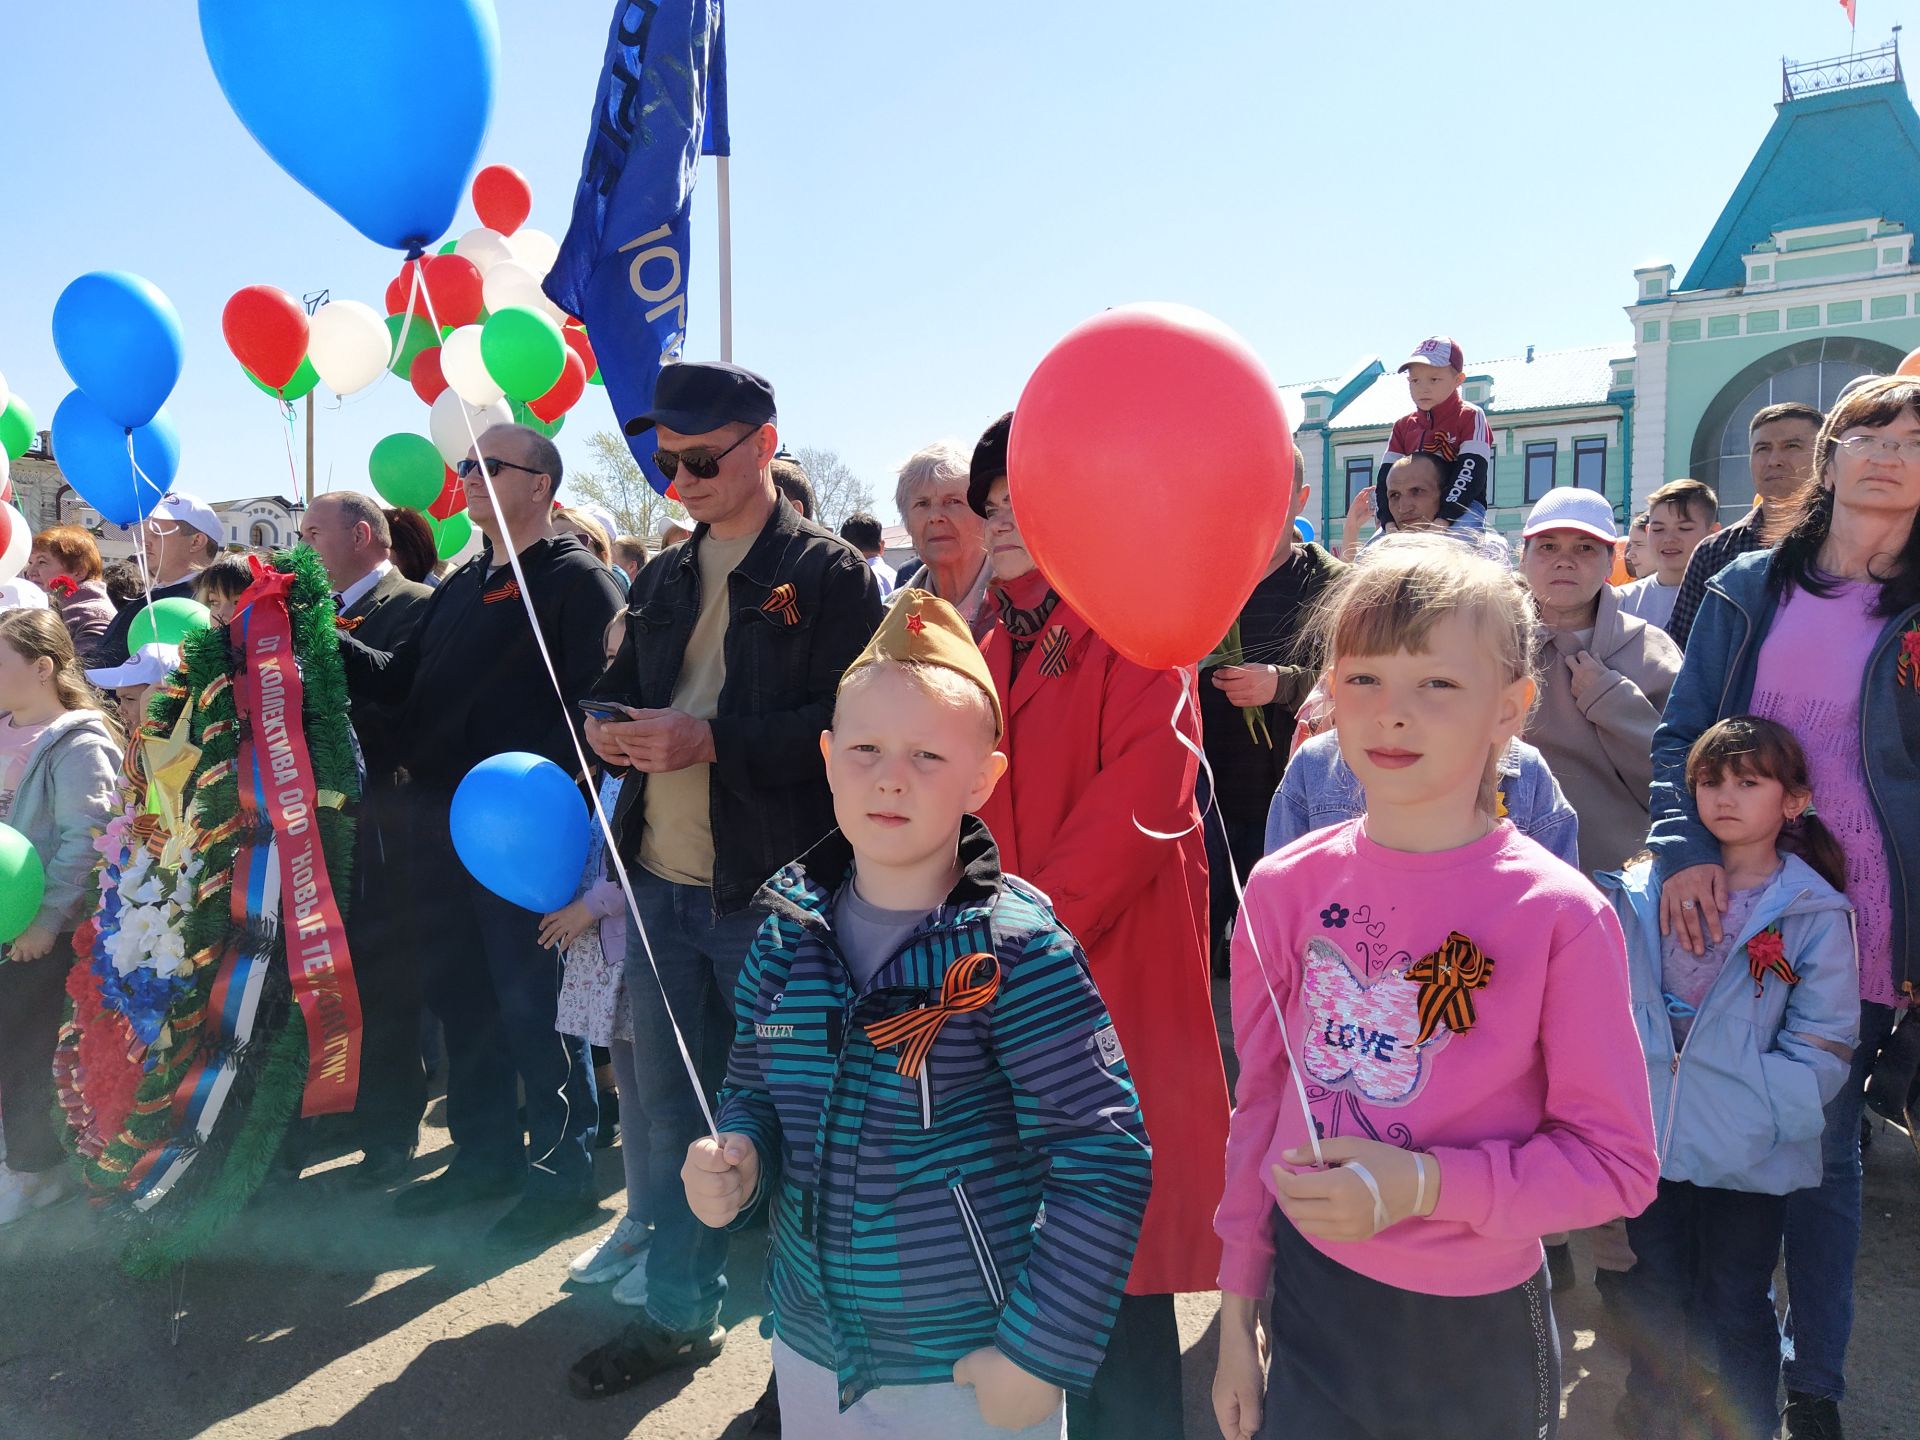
{"x":1362,"y":1038}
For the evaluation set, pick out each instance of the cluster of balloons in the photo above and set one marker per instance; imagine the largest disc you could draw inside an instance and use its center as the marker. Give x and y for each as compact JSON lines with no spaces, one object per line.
{"x":481,"y":344}
{"x":16,"y":431}
{"x":119,"y":338}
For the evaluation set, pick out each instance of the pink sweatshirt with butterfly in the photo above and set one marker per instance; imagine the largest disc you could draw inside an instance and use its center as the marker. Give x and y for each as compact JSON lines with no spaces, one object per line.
{"x":1524,"y":1087}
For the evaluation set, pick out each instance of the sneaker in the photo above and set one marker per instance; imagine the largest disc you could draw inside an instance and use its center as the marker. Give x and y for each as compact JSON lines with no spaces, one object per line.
{"x":1811,"y":1417}
{"x":23,"y":1192}
{"x":631,"y":1288}
{"x":641,"y":1351}
{"x":622,"y":1248}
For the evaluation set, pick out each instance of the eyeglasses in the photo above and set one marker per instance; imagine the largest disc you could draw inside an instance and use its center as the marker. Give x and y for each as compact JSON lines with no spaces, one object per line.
{"x":467,"y":466}
{"x":1861,"y":446}
{"x":701,"y":464}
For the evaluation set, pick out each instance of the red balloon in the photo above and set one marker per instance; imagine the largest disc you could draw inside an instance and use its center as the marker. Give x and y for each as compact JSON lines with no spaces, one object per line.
{"x":425,"y":376}
{"x":266,"y":329}
{"x":453,"y":497}
{"x":502,"y":198}
{"x":401,"y":287}
{"x":455,"y":283}
{"x":578,"y":343}
{"x":1143,"y":407}
{"x":565,"y":393}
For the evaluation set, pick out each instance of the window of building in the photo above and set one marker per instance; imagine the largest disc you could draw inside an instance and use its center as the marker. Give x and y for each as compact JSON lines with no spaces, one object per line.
{"x":1590,"y":463}
{"x":1359,"y":475}
{"x":1541,"y":459}
{"x":262,"y":536}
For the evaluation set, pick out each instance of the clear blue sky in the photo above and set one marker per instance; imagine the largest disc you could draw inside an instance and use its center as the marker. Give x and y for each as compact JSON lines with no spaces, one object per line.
{"x":925,"y":196}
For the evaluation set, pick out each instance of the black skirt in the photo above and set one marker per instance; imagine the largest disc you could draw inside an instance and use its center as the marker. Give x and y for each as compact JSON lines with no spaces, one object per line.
{"x":1354,"y":1359}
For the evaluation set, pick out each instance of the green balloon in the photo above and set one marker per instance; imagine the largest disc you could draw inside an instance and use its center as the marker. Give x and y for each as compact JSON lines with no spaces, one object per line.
{"x":304,"y":379}
{"x":594,"y":378}
{"x":406,"y":471}
{"x":23,"y":882}
{"x":523,"y":415}
{"x":420,"y":336}
{"x":450,"y":535}
{"x":523,"y":352}
{"x":168,"y":622}
{"x":16,"y":428}
{"x":448,"y":248}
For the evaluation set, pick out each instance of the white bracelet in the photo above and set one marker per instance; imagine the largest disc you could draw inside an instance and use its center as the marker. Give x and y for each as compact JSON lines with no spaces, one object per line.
{"x":1420,"y":1183}
{"x":1380,"y":1217}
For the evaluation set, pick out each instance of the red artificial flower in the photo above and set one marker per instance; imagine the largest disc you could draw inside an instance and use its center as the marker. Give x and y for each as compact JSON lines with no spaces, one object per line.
{"x":1767,"y":955}
{"x":62,"y":586}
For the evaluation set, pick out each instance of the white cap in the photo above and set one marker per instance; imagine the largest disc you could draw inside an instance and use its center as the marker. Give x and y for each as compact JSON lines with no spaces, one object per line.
{"x":193,"y":512}
{"x":148,"y":666}
{"x":22,"y":595}
{"x":1572,"y":507}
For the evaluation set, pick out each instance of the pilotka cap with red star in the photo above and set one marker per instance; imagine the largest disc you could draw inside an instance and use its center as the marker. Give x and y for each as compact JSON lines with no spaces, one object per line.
{"x":922,"y":629}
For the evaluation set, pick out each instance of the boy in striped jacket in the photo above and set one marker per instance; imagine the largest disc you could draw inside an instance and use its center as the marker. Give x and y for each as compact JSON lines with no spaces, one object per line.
{"x":924,"y":1086}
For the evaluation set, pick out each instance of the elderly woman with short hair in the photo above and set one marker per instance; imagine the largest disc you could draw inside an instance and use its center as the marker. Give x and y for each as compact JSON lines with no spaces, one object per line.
{"x":65,"y":562}
{"x":947,"y":535}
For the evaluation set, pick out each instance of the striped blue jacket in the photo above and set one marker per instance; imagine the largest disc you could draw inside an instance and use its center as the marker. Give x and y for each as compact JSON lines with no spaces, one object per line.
{"x":992,"y":1198}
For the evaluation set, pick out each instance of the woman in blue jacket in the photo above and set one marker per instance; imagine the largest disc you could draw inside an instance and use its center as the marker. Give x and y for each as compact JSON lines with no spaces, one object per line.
{"x":1823,"y":635}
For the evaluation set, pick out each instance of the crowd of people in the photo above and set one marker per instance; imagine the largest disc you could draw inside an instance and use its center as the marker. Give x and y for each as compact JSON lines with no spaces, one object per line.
{"x":913,"y":875}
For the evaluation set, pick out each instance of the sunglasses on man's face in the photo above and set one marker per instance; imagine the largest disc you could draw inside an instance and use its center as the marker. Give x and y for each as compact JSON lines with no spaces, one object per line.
{"x":701,"y":464}
{"x":467,"y":466}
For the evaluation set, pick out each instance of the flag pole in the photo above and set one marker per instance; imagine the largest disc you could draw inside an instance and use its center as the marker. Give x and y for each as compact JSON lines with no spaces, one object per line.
{"x":726,"y":257}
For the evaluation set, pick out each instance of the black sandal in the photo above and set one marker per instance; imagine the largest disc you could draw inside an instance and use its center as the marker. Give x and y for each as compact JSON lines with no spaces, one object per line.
{"x":640,"y":1352}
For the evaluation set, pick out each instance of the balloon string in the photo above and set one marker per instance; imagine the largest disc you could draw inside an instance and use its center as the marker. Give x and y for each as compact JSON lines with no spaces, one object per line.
{"x":293,"y":473}
{"x":586,"y":770}
{"x":140,"y":522}
{"x":1189,"y":699}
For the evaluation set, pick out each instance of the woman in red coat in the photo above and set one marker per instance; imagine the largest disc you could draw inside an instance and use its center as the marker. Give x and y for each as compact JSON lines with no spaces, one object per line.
{"x":1093,"y":765}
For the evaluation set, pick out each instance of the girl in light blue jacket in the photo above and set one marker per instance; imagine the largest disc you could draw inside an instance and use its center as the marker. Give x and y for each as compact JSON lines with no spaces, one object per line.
{"x":1744,"y":1046}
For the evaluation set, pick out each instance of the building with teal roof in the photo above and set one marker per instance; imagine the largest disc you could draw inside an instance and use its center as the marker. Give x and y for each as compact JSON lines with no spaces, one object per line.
{"x":1806,"y":280}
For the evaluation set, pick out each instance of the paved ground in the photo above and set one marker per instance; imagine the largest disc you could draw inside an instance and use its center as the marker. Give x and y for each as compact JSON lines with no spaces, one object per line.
{"x":323,"y":1315}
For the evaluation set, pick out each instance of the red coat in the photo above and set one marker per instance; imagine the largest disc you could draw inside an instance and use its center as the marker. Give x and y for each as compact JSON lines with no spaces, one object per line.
{"x":1091,"y":750}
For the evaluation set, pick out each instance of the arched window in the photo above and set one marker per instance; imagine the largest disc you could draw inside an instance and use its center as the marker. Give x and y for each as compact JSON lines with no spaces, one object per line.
{"x":1811,"y":371}
{"x":262,"y":536}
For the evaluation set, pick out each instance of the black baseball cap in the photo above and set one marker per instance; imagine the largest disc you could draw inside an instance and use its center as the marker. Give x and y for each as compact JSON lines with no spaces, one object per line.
{"x":695,"y":396}
{"x":989,"y":462}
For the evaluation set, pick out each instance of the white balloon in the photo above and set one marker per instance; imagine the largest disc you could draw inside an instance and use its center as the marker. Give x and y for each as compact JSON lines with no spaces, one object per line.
{"x":13,"y":559}
{"x":485,"y":248}
{"x":465,"y":369}
{"x":349,"y":345}
{"x":449,"y":420}
{"x":511,"y":284}
{"x":535,"y":249}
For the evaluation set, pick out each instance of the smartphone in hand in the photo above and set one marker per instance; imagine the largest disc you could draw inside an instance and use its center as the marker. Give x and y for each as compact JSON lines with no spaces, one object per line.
{"x":607,"y":710}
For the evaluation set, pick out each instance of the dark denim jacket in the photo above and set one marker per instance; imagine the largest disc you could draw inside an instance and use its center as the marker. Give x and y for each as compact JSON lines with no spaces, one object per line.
{"x":804,"y":604}
{"x":1716,"y":681}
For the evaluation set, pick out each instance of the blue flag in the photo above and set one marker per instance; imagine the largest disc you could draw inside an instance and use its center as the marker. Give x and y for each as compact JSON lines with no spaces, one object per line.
{"x":623,"y":265}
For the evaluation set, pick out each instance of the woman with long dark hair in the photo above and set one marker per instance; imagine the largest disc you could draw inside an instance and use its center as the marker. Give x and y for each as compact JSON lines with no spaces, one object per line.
{"x":1821,"y":634}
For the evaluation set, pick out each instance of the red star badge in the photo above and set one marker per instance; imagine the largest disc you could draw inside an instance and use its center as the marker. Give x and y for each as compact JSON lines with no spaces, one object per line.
{"x":915,"y":624}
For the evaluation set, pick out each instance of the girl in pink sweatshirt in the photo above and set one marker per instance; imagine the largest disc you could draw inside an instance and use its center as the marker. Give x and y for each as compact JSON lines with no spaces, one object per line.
{"x":1456,"y":1014}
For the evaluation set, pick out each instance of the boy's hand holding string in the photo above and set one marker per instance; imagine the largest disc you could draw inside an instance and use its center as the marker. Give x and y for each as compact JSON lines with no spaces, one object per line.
{"x":721,"y":1175}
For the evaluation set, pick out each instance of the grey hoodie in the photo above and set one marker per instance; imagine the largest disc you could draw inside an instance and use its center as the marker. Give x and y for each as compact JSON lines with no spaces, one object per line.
{"x":65,"y":798}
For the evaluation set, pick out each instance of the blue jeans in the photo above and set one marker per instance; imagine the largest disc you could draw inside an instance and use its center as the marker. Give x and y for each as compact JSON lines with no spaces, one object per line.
{"x":699,"y":958}
{"x":495,"y":990}
{"x":1704,"y":1262}
{"x":1823,"y":1232}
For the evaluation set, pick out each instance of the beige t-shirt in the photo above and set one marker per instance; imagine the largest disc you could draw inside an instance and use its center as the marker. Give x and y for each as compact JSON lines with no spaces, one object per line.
{"x":677,"y":841}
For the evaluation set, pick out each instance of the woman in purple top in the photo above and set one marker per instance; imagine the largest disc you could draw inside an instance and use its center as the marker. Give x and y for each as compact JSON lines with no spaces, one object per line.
{"x":1821,"y":634}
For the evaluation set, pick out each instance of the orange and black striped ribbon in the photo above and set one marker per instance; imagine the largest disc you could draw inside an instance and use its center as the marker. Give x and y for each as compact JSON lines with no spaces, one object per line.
{"x":1447,"y":979}
{"x":1053,"y":652}
{"x":348,"y":625}
{"x":1767,"y":955}
{"x":506,"y":590}
{"x":783,"y":603}
{"x":971,"y":982}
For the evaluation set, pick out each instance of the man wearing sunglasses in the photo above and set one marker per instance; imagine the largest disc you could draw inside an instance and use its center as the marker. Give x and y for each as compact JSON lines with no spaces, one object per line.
{"x":181,"y":537}
{"x":467,"y":683}
{"x":735,"y":644}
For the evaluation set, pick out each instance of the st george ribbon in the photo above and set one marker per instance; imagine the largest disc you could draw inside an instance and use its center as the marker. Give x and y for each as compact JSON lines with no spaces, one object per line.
{"x":622,"y":267}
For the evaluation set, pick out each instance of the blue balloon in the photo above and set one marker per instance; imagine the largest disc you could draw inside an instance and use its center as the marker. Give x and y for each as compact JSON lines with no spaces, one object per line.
{"x":521,"y":828}
{"x":119,"y":338}
{"x":1303,"y":527}
{"x":332,"y":92}
{"x":91,"y":449}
